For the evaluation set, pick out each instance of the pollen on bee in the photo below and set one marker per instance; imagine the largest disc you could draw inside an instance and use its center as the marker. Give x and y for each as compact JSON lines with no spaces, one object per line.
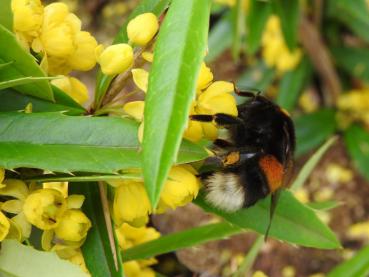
{"x":273,"y":171}
{"x":232,"y":158}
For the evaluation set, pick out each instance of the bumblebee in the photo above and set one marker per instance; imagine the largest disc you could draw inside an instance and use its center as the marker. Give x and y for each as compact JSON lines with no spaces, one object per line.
{"x":255,"y":157}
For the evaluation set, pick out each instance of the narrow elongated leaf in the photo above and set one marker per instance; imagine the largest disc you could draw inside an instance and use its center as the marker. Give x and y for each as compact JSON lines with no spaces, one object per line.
{"x":288,"y":12}
{"x":354,"y":61}
{"x":155,"y":6}
{"x":22,"y":81}
{"x":23,"y":65}
{"x":293,"y":222}
{"x":84,"y":178}
{"x":172,"y":84}
{"x":220,"y":38}
{"x":357,"y":266}
{"x":313,"y":129}
{"x":12,"y":100}
{"x":62,"y":143}
{"x":357,"y":143}
{"x":180,"y":240}
{"x":258,"y":14}
{"x":237,"y":16}
{"x":311,"y":164}
{"x":6,"y":15}
{"x":292,"y":84}
{"x":18,"y":260}
{"x":96,"y":250}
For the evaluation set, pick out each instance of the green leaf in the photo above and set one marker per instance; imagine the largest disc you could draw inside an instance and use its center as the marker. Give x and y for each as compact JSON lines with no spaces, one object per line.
{"x":357,"y":144}
{"x":84,"y":178}
{"x":220,"y":38}
{"x":354,"y":61}
{"x":292,"y":84}
{"x":324,"y":205}
{"x":313,"y":129}
{"x":6,"y":15}
{"x":311,"y":164}
{"x":18,"y":260}
{"x":357,"y":266}
{"x":24,"y":65}
{"x":53,"y":141}
{"x":3,"y":65}
{"x":171,"y":88}
{"x":258,"y":14}
{"x":96,"y":249}
{"x":23,"y":81}
{"x":11,"y":100}
{"x":237,"y":16}
{"x":288,"y":13}
{"x":155,"y":6}
{"x":293,"y":222}
{"x":354,"y":14}
{"x":180,"y":240}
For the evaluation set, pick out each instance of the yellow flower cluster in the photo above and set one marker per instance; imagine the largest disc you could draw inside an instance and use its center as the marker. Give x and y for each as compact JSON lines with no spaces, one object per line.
{"x":50,"y":209}
{"x":132,"y":205}
{"x":128,"y":237}
{"x":117,"y":58}
{"x":353,"y":106}
{"x":274,"y":49}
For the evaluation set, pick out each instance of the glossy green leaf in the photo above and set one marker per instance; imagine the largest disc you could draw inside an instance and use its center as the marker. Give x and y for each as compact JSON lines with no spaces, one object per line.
{"x":180,"y":240}
{"x":354,"y":14}
{"x":24,"y":65}
{"x":354,"y":61}
{"x":220,"y":38}
{"x":258,"y":14}
{"x":293,"y":222}
{"x":357,"y":266}
{"x":23,"y":81}
{"x":171,"y":88}
{"x":238,"y":18}
{"x":6,"y":15}
{"x":11,"y":100}
{"x":96,"y":249}
{"x":309,"y":166}
{"x":18,"y":260}
{"x":289,"y":13}
{"x":292,"y":84}
{"x":155,"y":6}
{"x":313,"y":129}
{"x":357,"y":144}
{"x":61,"y":143}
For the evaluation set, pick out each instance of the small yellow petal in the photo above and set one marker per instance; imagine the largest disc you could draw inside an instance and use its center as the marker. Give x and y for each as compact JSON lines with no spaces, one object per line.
{"x":22,"y":224}
{"x":148,"y":56}
{"x":27,"y":16}
{"x":14,"y":188}
{"x":83,"y":58}
{"x":46,"y":239}
{"x":2,"y":175}
{"x":135,"y":109}
{"x":14,"y":231}
{"x":13,"y":206}
{"x":116,"y":59}
{"x":73,"y":87}
{"x":4,"y":226}
{"x":215,"y":89}
{"x":60,"y":186}
{"x":205,"y":77}
{"x":194,"y":131}
{"x":142,"y":28}
{"x":75,"y":201}
{"x":73,"y":226}
{"x":140,"y":78}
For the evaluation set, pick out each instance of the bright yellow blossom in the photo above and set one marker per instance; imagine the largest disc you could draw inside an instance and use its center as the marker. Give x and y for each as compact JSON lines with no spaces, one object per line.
{"x":129,"y":236}
{"x":73,"y":226}
{"x":83,"y":57}
{"x":181,"y":187}
{"x":134,"y":269}
{"x":116,"y":59}
{"x":142,"y":28}
{"x":205,"y":77}
{"x":275,"y":51}
{"x":131,"y":203}
{"x":73,"y":87}
{"x":140,"y":78}
{"x":27,"y":16}
{"x":44,"y":208}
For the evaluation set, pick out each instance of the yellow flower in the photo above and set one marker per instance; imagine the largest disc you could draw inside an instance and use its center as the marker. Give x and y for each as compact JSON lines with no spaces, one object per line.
{"x":73,"y":87}
{"x":116,"y":59}
{"x":338,"y":174}
{"x":142,"y":28}
{"x":274,"y":49}
{"x":134,"y":269}
{"x":140,"y":78}
{"x":181,"y":187}
{"x":83,"y":58}
{"x":359,"y":230}
{"x":4,"y":226}
{"x":129,"y":236}
{"x":44,"y":208}
{"x":60,"y":186}
{"x":58,"y":30}
{"x":148,"y":56}
{"x":205,"y":77}
{"x":73,"y":226}
{"x":27,"y":16}
{"x":131,"y":203}
{"x":135,"y":109}
{"x":259,"y":274}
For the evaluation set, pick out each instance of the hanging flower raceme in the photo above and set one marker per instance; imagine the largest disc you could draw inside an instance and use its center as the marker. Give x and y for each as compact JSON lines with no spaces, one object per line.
{"x":274,"y":49}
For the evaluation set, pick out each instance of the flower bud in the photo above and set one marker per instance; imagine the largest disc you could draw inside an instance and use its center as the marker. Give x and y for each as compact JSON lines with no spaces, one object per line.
{"x":44,"y":208}
{"x":83,"y":57}
{"x":73,"y":226}
{"x":27,"y":16}
{"x":142,"y":28}
{"x":116,"y":59}
{"x":73,"y":87}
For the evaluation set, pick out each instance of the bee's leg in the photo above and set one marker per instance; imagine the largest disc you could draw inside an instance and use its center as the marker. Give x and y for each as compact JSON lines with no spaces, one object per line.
{"x":221,"y":119}
{"x":249,"y":93}
{"x":223,"y":143}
